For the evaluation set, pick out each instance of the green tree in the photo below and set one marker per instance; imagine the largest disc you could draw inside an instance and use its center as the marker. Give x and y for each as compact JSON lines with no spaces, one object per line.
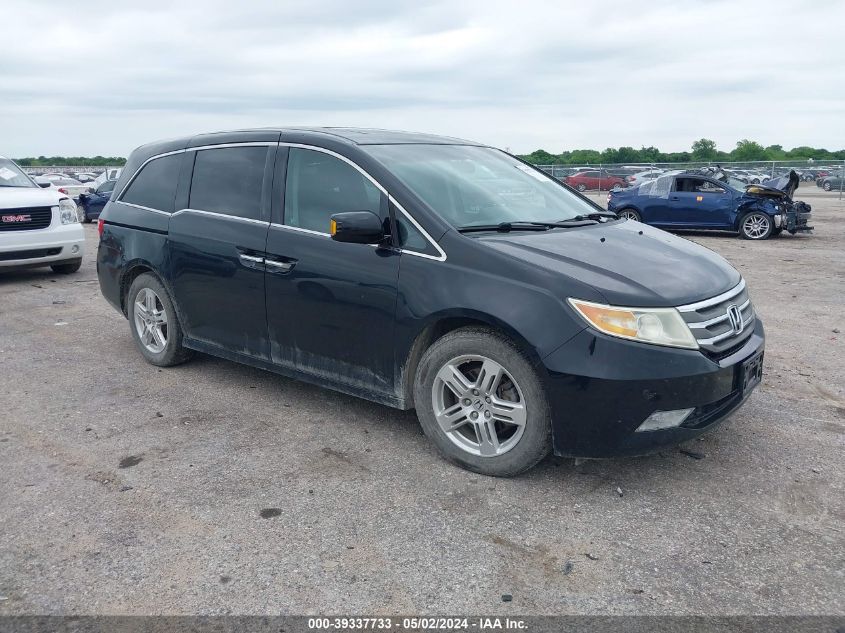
{"x":749,"y":150}
{"x":704,"y":149}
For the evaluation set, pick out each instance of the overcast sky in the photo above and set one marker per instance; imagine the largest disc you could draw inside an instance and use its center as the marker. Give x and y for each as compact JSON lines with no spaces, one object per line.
{"x":86,"y":78}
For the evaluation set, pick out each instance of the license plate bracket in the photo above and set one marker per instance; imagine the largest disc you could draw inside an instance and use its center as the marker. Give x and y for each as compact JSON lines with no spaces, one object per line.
{"x":751,"y":372}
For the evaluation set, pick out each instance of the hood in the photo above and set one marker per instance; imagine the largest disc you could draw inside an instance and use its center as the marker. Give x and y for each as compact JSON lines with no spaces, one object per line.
{"x":777,"y":188}
{"x":19,"y":197}
{"x":629,"y":263}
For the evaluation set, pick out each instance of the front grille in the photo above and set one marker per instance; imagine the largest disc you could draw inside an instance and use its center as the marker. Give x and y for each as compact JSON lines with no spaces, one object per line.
{"x":711,"y":323}
{"x":31,"y":254}
{"x":25,"y":219}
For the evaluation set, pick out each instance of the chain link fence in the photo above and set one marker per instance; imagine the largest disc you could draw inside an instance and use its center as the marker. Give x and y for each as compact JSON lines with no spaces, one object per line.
{"x":601,"y":177}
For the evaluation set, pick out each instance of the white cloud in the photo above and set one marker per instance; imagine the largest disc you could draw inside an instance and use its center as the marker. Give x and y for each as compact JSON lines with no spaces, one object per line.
{"x":520,"y":75}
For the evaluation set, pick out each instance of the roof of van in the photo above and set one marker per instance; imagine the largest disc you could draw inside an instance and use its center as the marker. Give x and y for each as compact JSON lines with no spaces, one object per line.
{"x":370,"y":136}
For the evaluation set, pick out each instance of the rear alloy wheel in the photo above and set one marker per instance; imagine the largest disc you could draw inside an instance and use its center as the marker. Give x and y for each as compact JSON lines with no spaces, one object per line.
{"x":756,"y":226}
{"x":630,"y":214}
{"x":154,"y":324}
{"x":480,"y":401}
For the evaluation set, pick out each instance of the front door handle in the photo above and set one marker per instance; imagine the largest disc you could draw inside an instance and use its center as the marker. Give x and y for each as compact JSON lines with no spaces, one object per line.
{"x":277,"y":266}
{"x":674,"y":198}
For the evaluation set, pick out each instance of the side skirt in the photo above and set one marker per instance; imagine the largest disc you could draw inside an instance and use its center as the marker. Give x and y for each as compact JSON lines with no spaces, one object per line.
{"x":389,"y":400}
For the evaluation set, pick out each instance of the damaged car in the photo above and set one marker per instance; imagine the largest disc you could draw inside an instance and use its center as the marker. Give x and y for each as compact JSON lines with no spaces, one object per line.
{"x":714,"y":201}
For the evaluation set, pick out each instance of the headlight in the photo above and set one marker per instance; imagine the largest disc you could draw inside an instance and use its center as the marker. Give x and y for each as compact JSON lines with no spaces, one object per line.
{"x":659,"y":326}
{"x":67,"y":211}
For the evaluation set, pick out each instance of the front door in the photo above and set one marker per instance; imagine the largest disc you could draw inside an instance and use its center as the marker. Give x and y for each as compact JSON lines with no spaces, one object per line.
{"x":217,"y":248}
{"x":330,"y":305}
{"x":699,"y":202}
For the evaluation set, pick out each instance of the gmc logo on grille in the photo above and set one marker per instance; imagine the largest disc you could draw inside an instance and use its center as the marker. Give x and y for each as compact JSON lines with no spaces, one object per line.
{"x":8,"y":219}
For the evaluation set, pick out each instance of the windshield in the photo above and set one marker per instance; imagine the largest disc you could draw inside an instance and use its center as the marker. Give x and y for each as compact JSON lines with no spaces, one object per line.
{"x":12,"y":176}
{"x":479,"y":186}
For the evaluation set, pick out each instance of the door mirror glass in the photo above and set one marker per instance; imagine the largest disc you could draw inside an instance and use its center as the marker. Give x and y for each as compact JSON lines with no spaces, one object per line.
{"x":356,"y":227}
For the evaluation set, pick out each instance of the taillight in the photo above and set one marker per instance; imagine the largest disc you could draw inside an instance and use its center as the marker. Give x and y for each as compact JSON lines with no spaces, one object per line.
{"x":100,"y":224}
{"x":63,"y":190}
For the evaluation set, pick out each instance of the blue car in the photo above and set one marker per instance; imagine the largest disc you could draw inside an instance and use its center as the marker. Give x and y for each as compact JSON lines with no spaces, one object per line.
{"x":92,"y":203}
{"x":683,"y":200}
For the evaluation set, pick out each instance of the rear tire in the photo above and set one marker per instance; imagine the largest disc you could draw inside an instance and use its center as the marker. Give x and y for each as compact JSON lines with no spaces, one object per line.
{"x":630,"y":214}
{"x":506,"y":427}
{"x":154,"y":324}
{"x":67,"y":268}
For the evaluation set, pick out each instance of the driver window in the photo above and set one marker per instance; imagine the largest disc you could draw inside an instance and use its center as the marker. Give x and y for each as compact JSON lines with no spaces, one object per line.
{"x":708,"y":187}
{"x":319,"y":185}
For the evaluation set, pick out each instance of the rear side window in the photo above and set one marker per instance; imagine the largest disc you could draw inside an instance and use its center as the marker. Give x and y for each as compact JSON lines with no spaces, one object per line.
{"x":229,"y":180}
{"x":155,"y":185}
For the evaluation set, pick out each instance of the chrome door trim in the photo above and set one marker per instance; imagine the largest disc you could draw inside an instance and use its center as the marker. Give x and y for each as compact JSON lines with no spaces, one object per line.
{"x":221,"y":215}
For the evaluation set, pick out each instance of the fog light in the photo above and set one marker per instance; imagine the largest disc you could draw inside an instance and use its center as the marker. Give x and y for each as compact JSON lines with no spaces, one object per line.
{"x":665,"y":420}
{"x":74,"y":249}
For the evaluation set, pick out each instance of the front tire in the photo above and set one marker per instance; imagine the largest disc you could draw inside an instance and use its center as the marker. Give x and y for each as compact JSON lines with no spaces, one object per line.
{"x":755,"y":226}
{"x":67,"y":268}
{"x":481,"y":402}
{"x":827,"y":186}
{"x":581,"y":187}
{"x":154,"y":324}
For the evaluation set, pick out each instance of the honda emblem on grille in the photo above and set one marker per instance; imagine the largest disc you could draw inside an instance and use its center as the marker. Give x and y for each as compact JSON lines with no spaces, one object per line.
{"x":8,"y":219}
{"x":735,"y":317}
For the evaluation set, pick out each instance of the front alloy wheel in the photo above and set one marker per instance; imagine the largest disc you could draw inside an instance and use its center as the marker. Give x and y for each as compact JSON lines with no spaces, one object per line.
{"x":756,"y":226}
{"x":480,"y":400}
{"x":478,"y":405}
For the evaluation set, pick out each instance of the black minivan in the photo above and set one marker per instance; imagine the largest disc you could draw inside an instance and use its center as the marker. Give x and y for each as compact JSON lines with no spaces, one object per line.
{"x":426,"y":272}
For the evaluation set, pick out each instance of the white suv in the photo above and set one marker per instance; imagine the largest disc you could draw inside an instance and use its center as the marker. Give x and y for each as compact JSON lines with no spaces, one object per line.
{"x":38,"y":227}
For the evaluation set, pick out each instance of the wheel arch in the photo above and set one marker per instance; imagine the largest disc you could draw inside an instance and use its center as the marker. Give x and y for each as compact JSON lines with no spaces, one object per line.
{"x":135,"y":269}
{"x":438,"y":326}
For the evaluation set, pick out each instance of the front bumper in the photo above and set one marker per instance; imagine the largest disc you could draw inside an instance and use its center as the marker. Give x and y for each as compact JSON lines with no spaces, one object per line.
{"x":42,"y":247}
{"x":602,"y":389}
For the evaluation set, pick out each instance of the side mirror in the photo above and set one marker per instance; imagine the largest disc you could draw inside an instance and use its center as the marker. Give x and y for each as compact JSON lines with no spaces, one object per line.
{"x":356,"y":227}
{"x":44,"y":185}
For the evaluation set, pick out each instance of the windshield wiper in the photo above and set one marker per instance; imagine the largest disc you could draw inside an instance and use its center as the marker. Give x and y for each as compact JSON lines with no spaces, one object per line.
{"x":506,"y":227}
{"x":596,"y":215}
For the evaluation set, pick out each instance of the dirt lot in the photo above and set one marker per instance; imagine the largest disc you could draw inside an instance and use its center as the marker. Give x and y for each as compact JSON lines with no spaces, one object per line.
{"x":130,"y":489}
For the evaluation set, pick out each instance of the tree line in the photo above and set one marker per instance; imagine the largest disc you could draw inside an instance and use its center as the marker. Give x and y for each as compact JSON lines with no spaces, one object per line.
{"x":703,"y":150}
{"x":71,"y":161}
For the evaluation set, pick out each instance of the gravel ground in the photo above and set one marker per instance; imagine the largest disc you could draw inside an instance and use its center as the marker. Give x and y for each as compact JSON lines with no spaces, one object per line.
{"x":216,"y":488}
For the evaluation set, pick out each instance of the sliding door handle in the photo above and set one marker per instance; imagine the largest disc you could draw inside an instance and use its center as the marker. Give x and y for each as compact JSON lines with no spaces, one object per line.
{"x":251,"y":259}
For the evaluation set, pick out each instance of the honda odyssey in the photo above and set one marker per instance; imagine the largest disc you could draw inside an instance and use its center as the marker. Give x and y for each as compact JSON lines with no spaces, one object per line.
{"x":514,"y":315}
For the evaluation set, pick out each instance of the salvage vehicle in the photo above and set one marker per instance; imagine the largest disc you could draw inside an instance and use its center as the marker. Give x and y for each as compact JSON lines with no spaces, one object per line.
{"x":417,"y":271}
{"x":38,"y":227}
{"x":64,"y":185}
{"x":832,"y":181}
{"x":92,"y":203}
{"x":682,"y":200}
{"x":594,"y":179}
